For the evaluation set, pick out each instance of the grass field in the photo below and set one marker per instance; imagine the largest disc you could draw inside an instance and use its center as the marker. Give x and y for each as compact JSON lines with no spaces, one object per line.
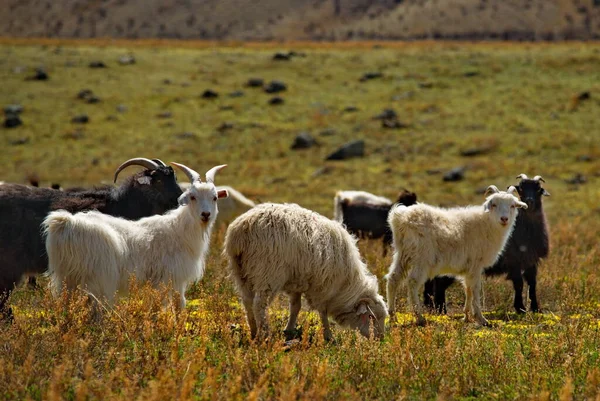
{"x":519,"y":101}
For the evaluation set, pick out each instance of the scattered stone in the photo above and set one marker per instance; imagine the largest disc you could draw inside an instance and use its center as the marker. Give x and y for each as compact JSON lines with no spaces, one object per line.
{"x":40,"y":75}
{"x":93,"y":99}
{"x":304,"y":140}
{"x":12,"y":120}
{"x":186,"y":135}
{"x":350,"y":109}
{"x":386,"y":114}
{"x":282,"y":56}
{"x":456,"y":174}
{"x":255,"y":83}
{"x":121,"y":108}
{"x":425,"y":85}
{"x":276,"y":101}
{"x":226,"y":126}
{"x":226,"y":107}
{"x":84,"y":94}
{"x":584,"y":96}
{"x":393,"y":123}
{"x":81,"y":119}
{"x":209,"y":94}
{"x":19,"y":141}
{"x":351,"y":149}
{"x":370,"y":75}
{"x":97,"y":64}
{"x":327,"y":132}
{"x":470,"y":74}
{"x":577,"y":179}
{"x":167,"y":81}
{"x":275,"y":87}
{"x":236,"y":94}
{"x":164,"y":114}
{"x":584,"y":158}
{"x":13,"y":109}
{"x":127,"y":59}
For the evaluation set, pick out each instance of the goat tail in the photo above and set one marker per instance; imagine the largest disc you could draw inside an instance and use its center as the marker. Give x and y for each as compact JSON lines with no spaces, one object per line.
{"x":56,"y":222}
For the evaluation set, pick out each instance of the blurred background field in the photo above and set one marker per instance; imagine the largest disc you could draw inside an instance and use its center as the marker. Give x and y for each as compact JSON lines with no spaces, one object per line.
{"x":489,"y":110}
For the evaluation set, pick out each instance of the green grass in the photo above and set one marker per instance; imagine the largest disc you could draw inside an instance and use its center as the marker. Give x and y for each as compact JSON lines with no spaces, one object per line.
{"x":520,"y":103}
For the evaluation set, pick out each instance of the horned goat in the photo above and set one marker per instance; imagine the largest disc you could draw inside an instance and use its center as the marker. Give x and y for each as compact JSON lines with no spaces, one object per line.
{"x":276,"y":248}
{"x":431,"y":241}
{"x":23,"y":208}
{"x":528,"y":244}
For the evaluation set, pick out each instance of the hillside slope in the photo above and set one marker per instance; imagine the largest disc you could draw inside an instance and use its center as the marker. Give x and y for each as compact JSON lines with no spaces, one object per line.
{"x":302,"y":19}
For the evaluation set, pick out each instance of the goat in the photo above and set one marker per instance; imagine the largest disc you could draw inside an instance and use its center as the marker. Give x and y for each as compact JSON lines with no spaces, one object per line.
{"x":276,"y":248}
{"x":366,"y":217}
{"x":23,"y":208}
{"x":528,"y":244}
{"x":99,"y":252}
{"x":431,"y":241}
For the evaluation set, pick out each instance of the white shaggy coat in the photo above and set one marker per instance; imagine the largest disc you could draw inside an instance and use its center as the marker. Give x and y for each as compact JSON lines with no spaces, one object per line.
{"x":356,"y":196}
{"x":431,"y":241}
{"x":99,"y":252}
{"x":276,"y":248}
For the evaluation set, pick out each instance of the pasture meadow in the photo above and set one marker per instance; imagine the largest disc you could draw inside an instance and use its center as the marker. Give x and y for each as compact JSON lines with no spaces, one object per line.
{"x":521,"y":107}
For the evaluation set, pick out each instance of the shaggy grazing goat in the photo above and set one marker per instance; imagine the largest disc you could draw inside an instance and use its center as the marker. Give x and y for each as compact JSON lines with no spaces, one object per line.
{"x":23,"y":208}
{"x":231,"y":207}
{"x":528,"y":244}
{"x":430,"y":241}
{"x":276,"y":248}
{"x":366,"y":217}
{"x":99,"y":252}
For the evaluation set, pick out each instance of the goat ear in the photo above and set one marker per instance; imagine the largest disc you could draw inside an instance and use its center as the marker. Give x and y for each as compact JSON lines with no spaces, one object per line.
{"x":361,"y":309}
{"x":184,"y":199}
{"x":521,"y":205}
{"x":545,"y":193}
{"x":486,"y":207}
{"x":222,"y":193}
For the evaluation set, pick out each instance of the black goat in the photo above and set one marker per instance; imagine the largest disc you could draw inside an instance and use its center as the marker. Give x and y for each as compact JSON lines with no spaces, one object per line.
{"x":23,"y":208}
{"x":528,"y":244}
{"x":369,"y":220}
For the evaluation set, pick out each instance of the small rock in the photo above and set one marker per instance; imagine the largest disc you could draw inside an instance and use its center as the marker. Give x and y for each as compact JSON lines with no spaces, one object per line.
{"x":236,"y":94}
{"x":121,"y":108}
{"x":12,"y":120}
{"x":275,"y":87}
{"x":349,"y":150}
{"x":81,"y":119}
{"x":386,"y":114}
{"x":425,"y":85}
{"x":327,"y":132}
{"x":304,"y":140}
{"x":584,"y":158}
{"x":226,"y":107}
{"x":13,"y":109}
{"x":282,"y":57}
{"x":84,"y":94}
{"x":127,"y":59}
{"x":167,"y":81}
{"x":393,"y":123}
{"x":164,"y":114}
{"x":97,"y":64}
{"x":584,"y":96}
{"x":255,"y":83}
{"x":350,"y":109}
{"x":370,"y":75}
{"x":226,"y":126}
{"x":209,"y":94}
{"x":456,"y":174}
{"x":276,"y":101}
{"x":93,"y":99}
{"x":577,"y":179}
{"x":19,"y":141}
{"x":186,"y":135}
{"x":470,"y":74}
{"x":40,"y":75}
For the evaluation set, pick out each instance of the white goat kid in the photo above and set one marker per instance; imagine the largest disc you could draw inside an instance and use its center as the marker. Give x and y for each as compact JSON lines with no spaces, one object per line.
{"x":99,"y":253}
{"x":430,"y":241}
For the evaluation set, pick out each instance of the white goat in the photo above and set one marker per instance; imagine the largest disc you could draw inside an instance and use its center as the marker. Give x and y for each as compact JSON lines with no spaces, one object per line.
{"x":231,"y":207}
{"x":99,"y":252}
{"x":355,"y":197}
{"x":430,"y":241}
{"x":276,"y":248}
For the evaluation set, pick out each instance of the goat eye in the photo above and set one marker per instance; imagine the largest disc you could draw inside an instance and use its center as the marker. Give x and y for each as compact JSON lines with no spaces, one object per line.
{"x":493,"y":205}
{"x":512,"y":206}
{"x":215,"y":199}
{"x":192,"y":198}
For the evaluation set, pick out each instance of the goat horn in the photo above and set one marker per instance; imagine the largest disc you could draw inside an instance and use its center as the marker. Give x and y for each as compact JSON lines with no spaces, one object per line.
{"x":159,"y":162}
{"x":210,"y":174}
{"x":511,"y":190}
{"x":492,"y":189}
{"x":191,"y":174}
{"x":138,"y":161}
{"x":523,"y":176}
{"x":538,"y":178}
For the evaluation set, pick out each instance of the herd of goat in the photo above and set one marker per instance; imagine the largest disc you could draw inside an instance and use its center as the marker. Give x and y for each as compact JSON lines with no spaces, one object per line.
{"x":158,"y":230}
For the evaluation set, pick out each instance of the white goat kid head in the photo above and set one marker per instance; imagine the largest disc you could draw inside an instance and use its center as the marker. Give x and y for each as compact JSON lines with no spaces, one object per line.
{"x":202,"y":197}
{"x":502,"y":206}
